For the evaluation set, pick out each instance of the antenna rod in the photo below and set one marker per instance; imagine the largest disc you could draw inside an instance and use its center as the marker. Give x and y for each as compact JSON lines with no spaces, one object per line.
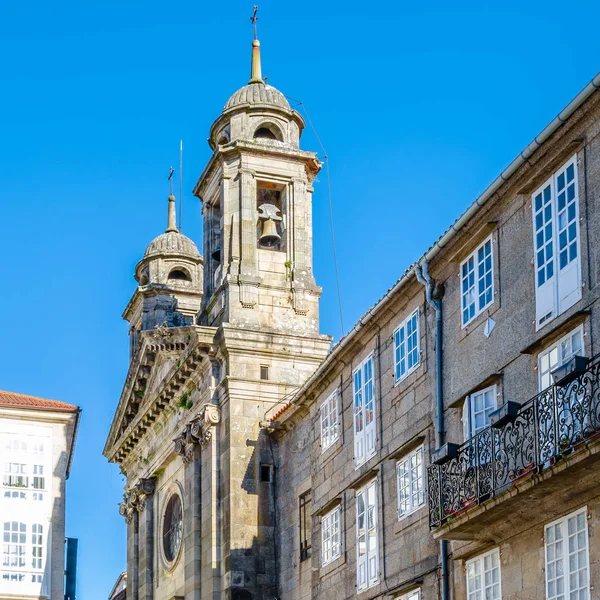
{"x":180,"y":181}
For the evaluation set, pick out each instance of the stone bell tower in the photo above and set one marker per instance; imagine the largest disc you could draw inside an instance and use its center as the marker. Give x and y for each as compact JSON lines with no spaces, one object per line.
{"x":261,"y":296}
{"x":256,"y":193}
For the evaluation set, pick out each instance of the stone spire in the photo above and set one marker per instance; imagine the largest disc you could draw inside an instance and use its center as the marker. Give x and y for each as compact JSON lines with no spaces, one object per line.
{"x":171,"y":226}
{"x":255,"y":71}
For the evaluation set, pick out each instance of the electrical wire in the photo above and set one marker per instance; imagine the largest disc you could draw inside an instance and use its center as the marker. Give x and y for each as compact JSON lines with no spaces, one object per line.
{"x":327,"y":172}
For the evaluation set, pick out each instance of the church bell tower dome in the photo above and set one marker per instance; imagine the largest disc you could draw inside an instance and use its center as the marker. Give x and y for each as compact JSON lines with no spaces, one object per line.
{"x":257,"y":111}
{"x":170,"y":281}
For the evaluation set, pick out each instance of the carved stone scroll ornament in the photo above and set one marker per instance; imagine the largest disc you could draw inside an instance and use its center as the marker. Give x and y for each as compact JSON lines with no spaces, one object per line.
{"x":134,"y":499}
{"x":199,"y":431}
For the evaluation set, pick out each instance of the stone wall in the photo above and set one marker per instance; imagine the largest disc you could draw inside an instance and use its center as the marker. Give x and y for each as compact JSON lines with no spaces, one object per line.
{"x":407,"y":411}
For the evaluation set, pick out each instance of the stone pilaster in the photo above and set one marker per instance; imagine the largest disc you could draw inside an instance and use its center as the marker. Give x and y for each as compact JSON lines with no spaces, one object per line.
{"x":192,"y":526}
{"x":146,"y":517}
{"x":140,"y":548}
{"x":190,"y":445}
{"x":248,"y":277}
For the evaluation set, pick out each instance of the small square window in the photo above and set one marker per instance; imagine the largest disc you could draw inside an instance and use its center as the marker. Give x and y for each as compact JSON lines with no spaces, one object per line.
{"x":265,"y":473}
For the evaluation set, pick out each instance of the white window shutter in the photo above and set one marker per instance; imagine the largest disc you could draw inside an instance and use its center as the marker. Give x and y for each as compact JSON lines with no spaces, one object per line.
{"x":545,"y":298}
{"x":370,"y":435}
{"x":324,"y":425}
{"x":466,"y":412}
{"x":569,"y":285}
{"x":466,"y":418}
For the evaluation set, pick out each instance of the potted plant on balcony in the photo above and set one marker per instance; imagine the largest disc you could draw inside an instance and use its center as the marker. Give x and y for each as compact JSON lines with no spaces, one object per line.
{"x":564,"y":445}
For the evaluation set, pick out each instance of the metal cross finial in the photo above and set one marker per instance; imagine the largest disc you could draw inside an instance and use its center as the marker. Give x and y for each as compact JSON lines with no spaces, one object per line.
{"x":254,"y":18}
{"x":170,"y":178}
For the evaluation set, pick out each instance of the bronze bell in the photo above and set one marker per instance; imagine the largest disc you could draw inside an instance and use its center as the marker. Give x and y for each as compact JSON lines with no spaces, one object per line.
{"x":216,"y":253}
{"x":269,"y":236}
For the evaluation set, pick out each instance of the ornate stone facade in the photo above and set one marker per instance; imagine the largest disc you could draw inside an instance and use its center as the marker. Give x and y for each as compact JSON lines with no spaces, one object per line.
{"x":216,"y":343}
{"x":199,"y":431}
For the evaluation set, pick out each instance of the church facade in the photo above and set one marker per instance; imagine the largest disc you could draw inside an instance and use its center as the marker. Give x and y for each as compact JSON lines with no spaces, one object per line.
{"x":445,"y":448}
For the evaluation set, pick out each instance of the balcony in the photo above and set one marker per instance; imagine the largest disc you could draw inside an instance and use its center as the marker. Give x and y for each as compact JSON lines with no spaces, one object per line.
{"x":536,"y":458}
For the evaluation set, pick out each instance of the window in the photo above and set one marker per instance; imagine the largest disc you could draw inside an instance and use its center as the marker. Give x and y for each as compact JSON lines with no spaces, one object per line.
{"x":558,"y":354}
{"x":14,"y":544}
{"x":265,"y":473}
{"x":477,"y":409}
{"x":37,"y":546}
{"x":556,"y":243}
{"x":567,"y":558}
{"x":22,"y":552}
{"x":331,"y":545}
{"x":180,"y":275}
{"x":367,"y":557}
{"x":414,"y":595}
{"x":24,"y":467}
{"x":330,"y":421}
{"x":38,"y":477}
{"x":15,"y":475}
{"x":483,"y":577}
{"x":411,"y":483}
{"x":477,"y":282}
{"x":406,"y":347}
{"x":268,"y":131}
{"x":305,"y":525}
{"x":172,"y":528}
{"x":264,"y":372}
{"x":364,"y":412}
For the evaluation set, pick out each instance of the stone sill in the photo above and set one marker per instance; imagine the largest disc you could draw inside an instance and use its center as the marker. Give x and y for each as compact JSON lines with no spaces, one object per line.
{"x":334,"y":565}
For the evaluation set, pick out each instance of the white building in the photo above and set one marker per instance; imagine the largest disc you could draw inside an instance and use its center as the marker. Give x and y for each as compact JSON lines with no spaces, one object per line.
{"x":37,"y":437}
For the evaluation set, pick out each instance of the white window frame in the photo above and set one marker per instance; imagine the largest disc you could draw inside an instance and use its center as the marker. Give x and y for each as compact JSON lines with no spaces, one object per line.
{"x":402,"y":337}
{"x":561,"y":358}
{"x":363,"y":408}
{"x":479,"y":272}
{"x":563,"y":523}
{"x":469,"y":430}
{"x":330,"y":421}
{"x":367,"y":563}
{"x":414,"y":595}
{"x":331,"y":536}
{"x":557,"y":287}
{"x":410,"y":475}
{"x":479,"y":562}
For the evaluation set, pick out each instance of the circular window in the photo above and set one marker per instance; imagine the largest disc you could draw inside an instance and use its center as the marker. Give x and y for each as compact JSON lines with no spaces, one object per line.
{"x":172,"y":527}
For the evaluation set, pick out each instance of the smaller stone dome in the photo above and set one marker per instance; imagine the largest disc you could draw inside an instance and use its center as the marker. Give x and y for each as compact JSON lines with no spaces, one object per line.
{"x":172,"y":242}
{"x":257,"y":93}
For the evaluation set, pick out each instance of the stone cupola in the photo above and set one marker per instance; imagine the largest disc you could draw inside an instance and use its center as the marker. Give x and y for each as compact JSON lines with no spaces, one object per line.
{"x":256,"y":193}
{"x":170,"y":282}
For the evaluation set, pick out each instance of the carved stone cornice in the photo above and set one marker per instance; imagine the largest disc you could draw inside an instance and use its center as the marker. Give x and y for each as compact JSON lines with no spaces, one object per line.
{"x":134,"y":499}
{"x":199,"y":431}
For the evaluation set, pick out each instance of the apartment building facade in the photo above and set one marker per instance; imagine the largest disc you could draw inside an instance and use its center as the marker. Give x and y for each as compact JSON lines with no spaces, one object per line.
{"x":447,"y":447}
{"x":37,"y":440}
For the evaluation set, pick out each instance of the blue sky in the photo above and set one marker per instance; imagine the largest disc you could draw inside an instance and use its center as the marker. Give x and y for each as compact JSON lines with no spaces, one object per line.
{"x":419,"y":107}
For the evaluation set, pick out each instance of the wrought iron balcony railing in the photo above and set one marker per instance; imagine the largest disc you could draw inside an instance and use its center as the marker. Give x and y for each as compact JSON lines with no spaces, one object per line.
{"x":528,"y":440}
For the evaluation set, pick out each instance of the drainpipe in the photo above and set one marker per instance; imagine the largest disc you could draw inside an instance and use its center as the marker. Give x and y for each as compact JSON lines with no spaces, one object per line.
{"x":423,"y":277}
